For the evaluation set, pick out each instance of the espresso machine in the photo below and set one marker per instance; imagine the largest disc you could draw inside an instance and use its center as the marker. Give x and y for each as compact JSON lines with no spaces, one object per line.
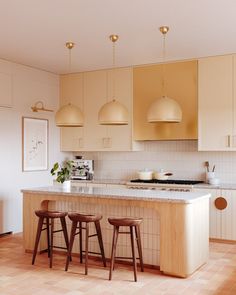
{"x":83,"y":169}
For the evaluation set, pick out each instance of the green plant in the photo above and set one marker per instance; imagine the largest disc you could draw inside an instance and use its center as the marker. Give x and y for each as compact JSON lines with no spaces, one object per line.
{"x":63,"y":172}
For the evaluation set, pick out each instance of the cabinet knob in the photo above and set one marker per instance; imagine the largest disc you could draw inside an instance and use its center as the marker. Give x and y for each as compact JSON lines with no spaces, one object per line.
{"x":221,"y":203}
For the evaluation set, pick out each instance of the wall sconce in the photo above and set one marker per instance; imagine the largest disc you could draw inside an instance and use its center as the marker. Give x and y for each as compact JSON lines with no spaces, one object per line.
{"x":38,"y":106}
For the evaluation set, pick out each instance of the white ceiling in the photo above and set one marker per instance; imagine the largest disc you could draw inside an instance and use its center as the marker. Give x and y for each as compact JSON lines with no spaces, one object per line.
{"x":34,"y":32}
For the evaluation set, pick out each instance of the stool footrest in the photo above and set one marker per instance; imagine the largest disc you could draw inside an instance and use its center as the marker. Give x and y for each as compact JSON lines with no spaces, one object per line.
{"x":94,"y":235}
{"x":58,"y":247}
{"x":119,"y":257}
{"x":90,"y":236}
{"x":124,"y":232}
{"x":57,"y":231}
{"x":91,"y":252}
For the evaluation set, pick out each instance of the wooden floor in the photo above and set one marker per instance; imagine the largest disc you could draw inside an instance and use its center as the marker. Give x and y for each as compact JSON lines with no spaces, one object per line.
{"x":19,"y":277}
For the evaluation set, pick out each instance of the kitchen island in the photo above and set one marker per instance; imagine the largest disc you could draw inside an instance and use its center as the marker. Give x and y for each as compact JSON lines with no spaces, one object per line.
{"x":179,"y":221}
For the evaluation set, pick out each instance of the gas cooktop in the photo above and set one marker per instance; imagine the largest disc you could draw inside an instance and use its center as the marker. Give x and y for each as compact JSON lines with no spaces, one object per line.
{"x":168,"y":181}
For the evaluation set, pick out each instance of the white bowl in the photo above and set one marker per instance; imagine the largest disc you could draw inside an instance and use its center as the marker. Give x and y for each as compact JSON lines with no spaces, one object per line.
{"x":145,"y":175}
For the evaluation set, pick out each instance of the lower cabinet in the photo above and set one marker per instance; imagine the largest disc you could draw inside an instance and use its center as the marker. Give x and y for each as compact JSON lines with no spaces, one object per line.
{"x":222,"y":213}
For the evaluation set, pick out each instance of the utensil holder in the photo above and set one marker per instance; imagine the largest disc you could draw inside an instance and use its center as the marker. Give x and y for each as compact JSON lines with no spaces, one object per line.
{"x":209,"y":175}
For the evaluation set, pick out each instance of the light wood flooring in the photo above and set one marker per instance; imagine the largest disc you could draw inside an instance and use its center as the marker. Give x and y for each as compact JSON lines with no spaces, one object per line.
{"x":19,"y":277}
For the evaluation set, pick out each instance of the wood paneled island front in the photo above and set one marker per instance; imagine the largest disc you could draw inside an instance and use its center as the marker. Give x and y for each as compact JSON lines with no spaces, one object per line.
{"x":183,"y":227}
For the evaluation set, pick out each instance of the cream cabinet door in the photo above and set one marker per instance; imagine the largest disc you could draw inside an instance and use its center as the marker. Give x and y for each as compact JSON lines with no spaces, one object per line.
{"x":71,"y":91}
{"x":215,"y":103}
{"x":72,"y":139}
{"x":214,"y":214}
{"x":95,"y":93}
{"x":228,"y":217}
{"x":99,"y":87}
{"x":222,"y":221}
{"x":121,"y":136}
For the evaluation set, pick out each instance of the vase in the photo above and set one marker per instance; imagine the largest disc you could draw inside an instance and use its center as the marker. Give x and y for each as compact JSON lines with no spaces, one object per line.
{"x":66,"y":184}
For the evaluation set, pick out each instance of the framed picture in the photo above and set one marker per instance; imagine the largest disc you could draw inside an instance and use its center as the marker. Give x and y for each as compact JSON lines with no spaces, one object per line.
{"x":34,"y":144}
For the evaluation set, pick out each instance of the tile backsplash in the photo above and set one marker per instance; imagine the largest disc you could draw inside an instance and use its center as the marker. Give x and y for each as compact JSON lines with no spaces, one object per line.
{"x":179,"y":157}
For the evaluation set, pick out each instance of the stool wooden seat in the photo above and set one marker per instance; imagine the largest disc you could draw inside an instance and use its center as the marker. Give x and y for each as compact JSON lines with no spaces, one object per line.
{"x":85,"y":218}
{"x":47,"y":218}
{"x":134,"y":225}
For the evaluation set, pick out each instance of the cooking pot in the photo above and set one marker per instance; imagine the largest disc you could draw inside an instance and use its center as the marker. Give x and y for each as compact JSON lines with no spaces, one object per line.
{"x":145,"y":175}
{"x":162,"y":175}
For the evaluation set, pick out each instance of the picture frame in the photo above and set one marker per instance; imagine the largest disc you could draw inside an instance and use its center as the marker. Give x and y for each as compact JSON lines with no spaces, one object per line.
{"x":34,"y":144}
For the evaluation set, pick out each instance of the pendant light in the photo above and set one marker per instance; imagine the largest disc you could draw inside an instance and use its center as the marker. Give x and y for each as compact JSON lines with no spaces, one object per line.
{"x":113,"y":112}
{"x":164,"y":109}
{"x":69,"y":115}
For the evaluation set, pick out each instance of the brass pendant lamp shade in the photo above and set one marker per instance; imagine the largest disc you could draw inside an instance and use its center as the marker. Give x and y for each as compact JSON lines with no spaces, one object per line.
{"x":69,"y":115}
{"x":113,"y":112}
{"x":164,"y":109}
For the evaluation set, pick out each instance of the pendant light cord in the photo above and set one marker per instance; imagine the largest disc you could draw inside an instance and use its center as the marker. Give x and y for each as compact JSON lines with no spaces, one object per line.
{"x":163,"y":66}
{"x":113,"y":70}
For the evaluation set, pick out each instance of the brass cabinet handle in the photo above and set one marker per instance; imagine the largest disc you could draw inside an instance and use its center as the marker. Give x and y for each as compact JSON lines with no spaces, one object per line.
{"x":229,"y":140}
{"x":221,"y":203}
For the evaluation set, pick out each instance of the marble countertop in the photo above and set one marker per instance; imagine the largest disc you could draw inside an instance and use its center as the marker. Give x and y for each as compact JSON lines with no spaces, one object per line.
{"x":102,"y":181}
{"x":123,"y":193}
{"x":124,"y":182}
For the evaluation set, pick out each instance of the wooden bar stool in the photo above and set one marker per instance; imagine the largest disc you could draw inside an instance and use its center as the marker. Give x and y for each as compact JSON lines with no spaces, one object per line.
{"x":134,"y":225}
{"x":47,"y":218}
{"x":85,"y":218}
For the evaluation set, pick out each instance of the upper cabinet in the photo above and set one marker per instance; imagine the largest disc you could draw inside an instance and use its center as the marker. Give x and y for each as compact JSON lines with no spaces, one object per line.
{"x":89,"y":91}
{"x":181,"y":85}
{"x":217,"y":102}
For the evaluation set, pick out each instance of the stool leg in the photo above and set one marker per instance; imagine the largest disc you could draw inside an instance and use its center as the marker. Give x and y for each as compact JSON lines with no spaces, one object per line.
{"x":86,"y":248}
{"x":64,"y":229}
{"x":48,"y":237}
{"x":99,"y":233}
{"x":38,"y":234}
{"x":72,"y":238}
{"x":133,"y":252}
{"x":113,"y":250}
{"x":51,"y":246}
{"x":80,"y":243}
{"x":138,"y":239}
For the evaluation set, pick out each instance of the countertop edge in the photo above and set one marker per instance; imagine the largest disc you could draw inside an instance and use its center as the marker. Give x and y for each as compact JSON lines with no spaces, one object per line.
{"x":230,"y":186}
{"x":112,"y":196}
